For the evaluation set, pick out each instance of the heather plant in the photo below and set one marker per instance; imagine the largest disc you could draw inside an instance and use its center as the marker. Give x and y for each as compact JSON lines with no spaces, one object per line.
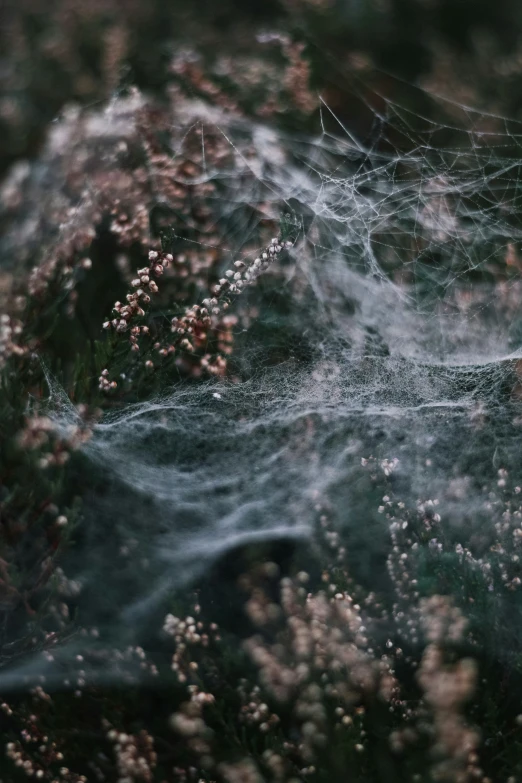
{"x":259,"y":415}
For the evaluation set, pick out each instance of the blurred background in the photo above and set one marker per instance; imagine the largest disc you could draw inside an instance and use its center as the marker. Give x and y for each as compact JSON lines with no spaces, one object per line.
{"x":57,"y":52}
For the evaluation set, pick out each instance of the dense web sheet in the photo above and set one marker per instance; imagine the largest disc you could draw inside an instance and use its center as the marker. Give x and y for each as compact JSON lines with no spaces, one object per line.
{"x":398,"y":310}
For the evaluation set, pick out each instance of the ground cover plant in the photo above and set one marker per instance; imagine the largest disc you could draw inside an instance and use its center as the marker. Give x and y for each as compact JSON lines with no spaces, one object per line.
{"x":260,"y":396}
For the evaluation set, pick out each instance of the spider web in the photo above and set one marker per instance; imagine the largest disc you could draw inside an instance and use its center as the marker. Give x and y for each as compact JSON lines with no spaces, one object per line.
{"x":392,"y":332}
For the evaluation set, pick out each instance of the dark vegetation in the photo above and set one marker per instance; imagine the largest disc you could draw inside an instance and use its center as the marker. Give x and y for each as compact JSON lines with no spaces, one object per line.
{"x":386,"y":650}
